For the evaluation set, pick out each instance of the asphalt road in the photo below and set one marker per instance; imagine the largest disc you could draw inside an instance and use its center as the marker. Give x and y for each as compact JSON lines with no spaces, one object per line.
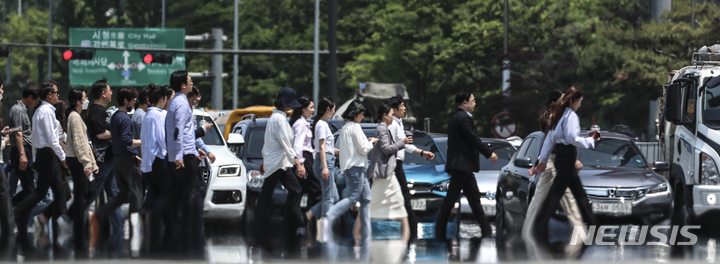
{"x":227,"y":244}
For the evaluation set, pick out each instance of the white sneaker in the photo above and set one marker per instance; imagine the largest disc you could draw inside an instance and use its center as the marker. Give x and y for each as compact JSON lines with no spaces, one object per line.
{"x":319,"y":230}
{"x":327,"y":234}
{"x":136,"y":237}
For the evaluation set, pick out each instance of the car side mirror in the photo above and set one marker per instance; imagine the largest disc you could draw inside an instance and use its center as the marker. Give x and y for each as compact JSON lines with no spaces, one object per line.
{"x":523,"y":162}
{"x":235,"y":139}
{"x":234,"y":142}
{"x":660,"y":166}
{"x":674,"y":103}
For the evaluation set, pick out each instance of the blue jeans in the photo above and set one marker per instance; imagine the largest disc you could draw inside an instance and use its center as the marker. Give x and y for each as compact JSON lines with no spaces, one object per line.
{"x":358,"y":191}
{"x":105,"y":180}
{"x":329,"y":188}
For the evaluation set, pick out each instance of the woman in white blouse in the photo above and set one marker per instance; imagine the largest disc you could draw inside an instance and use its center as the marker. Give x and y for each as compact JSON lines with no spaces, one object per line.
{"x":302,"y":144}
{"x":562,"y":141}
{"x":354,"y":147}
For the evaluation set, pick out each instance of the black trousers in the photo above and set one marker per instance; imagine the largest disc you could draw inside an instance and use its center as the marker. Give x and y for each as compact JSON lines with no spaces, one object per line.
{"x":465,"y":181}
{"x":310,"y":184}
{"x":567,"y":177}
{"x":26,"y":177}
{"x":402,"y":180}
{"x":156,"y":184}
{"x":82,"y":191}
{"x":292,"y":217}
{"x":48,"y":177}
{"x":189,"y":192}
{"x":129,"y":181}
{"x":7,"y":221}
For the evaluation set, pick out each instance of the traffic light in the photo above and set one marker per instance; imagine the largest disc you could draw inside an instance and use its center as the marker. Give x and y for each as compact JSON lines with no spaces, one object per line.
{"x":157,"y":58}
{"x":78,"y":55}
{"x":4,"y":51}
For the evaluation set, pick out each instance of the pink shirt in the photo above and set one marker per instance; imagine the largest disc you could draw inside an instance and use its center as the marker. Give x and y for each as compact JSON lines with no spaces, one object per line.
{"x":303,"y":138}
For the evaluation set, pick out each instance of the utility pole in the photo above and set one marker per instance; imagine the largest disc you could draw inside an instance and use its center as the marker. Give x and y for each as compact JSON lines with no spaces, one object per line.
{"x":50,"y":39}
{"x":332,"y":47}
{"x":163,"y":13}
{"x":235,"y":58}
{"x":692,"y":14}
{"x":217,"y":91}
{"x":19,"y":7}
{"x":316,"y":46}
{"x":506,"y":62}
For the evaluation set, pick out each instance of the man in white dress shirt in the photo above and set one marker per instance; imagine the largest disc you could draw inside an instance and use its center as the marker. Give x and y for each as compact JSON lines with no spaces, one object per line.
{"x":398,"y":132}
{"x":46,"y":148}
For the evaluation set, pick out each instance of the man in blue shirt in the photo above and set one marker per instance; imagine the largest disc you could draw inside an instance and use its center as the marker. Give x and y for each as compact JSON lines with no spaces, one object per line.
{"x":126,"y":163}
{"x":184,"y":158}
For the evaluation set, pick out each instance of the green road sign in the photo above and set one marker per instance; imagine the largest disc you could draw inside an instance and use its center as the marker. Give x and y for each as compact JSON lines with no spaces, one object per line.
{"x":120,"y":67}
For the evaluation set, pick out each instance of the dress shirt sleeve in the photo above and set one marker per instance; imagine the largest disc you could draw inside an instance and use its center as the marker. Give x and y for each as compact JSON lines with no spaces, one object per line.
{"x":49,"y":125}
{"x":399,"y":134}
{"x":160,"y":134}
{"x":299,"y":140}
{"x":200,"y":144}
{"x":285,"y":139}
{"x":361,"y":142}
{"x":187,"y":132}
{"x":547,"y":147}
{"x":572,"y":133}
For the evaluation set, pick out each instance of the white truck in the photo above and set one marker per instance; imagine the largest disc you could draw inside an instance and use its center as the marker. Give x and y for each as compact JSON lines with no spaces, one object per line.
{"x":689,"y":135}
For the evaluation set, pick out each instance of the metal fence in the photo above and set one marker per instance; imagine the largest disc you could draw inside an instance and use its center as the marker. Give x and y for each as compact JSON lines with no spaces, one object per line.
{"x":651,"y":151}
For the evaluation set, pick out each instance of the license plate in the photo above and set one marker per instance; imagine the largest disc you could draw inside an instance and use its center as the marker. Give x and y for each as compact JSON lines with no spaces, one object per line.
{"x":489,"y":209}
{"x":419,"y":204}
{"x":303,"y":201}
{"x":612,"y":208}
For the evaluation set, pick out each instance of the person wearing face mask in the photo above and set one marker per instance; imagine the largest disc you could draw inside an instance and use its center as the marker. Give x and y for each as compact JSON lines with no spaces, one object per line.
{"x":82,"y":165}
{"x":21,"y":144}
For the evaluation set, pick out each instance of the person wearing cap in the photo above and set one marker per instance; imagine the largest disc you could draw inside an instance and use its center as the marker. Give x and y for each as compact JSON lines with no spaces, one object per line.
{"x":279,"y":157}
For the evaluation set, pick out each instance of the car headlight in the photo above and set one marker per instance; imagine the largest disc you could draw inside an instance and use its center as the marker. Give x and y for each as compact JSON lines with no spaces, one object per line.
{"x":255,"y":179}
{"x":229,"y":171}
{"x":708,"y":170}
{"x":442,"y":186}
{"x":660,"y":188}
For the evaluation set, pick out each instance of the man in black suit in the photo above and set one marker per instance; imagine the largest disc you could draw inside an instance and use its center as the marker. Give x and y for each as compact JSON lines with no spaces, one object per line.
{"x":464,"y":147}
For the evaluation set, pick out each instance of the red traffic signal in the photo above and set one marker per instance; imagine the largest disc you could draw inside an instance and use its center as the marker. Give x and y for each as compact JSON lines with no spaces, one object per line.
{"x":78,"y":55}
{"x":157,"y":58}
{"x":148,"y":58}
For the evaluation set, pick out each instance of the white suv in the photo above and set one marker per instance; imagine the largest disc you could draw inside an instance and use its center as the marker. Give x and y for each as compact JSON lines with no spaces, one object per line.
{"x":225,"y":197}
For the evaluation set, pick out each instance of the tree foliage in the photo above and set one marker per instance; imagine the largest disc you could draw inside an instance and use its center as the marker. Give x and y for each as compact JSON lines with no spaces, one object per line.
{"x":609,"y":48}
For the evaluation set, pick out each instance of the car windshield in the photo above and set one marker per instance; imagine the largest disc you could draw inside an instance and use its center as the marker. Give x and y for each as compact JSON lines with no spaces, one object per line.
{"x":504,"y":154}
{"x":213,"y":136}
{"x":612,"y":153}
{"x":711,"y":107}
{"x":425,"y":143}
{"x":255,"y":143}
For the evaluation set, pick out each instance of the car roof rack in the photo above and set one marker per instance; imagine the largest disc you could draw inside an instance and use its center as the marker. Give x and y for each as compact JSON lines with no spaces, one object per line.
{"x":251,"y":116}
{"x":702,"y":58}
